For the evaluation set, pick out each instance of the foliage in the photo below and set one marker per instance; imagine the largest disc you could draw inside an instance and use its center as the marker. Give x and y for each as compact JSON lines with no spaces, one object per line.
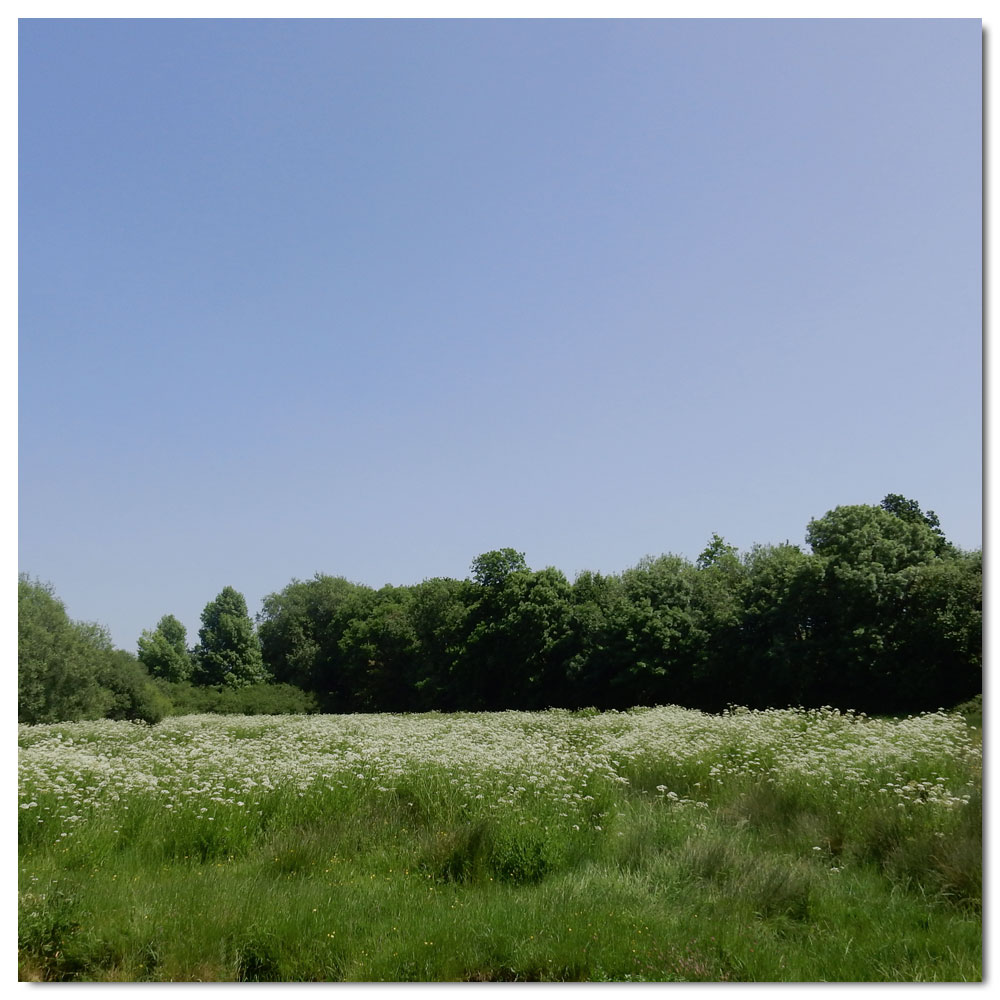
{"x":773,"y":642}
{"x":301,"y":628}
{"x":870,"y":541}
{"x":70,"y":670}
{"x":881,"y":614}
{"x":163,"y":651}
{"x":439,"y":612}
{"x":896,"y":619}
{"x":518,"y":627}
{"x":131,"y":693}
{"x":228,"y":651}
{"x":57,"y":659}
{"x":254,"y":699}
{"x":491,"y":569}
{"x":909,"y":510}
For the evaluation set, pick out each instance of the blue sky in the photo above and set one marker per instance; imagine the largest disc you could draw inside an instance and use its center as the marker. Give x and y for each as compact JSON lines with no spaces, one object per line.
{"x":371,"y":298}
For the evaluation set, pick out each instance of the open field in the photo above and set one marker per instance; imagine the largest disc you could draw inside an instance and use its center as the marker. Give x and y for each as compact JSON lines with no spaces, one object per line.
{"x":657,"y":844}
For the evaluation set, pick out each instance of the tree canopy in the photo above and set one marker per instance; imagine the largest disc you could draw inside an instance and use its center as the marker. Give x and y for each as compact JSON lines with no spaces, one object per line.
{"x":880,"y":614}
{"x":228,"y":650}
{"x":69,"y":670}
{"x":163,"y":651}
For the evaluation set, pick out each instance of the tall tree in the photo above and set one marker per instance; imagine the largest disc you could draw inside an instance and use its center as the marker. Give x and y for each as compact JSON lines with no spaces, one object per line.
{"x":869,"y":557}
{"x":517,"y":646}
{"x":491,"y":569}
{"x":538,"y":627}
{"x":57,"y":659}
{"x":69,"y":670}
{"x":772,"y":656}
{"x":379,"y":654}
{"x":487,"y":675}
{"x":663,"y":625}
{"x":872,"y":539}
{"x":936,"y":635}
{"x":439,"y":611}
{"x":714,"y":657}
{"x":228,"y":651}
{"x":301,"y":628}
{"x":601,"y":646}
{"x":163,"y":651}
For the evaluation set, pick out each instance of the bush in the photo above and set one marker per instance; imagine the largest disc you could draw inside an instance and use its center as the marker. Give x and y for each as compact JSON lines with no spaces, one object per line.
{"x":68,"y":671}
{"x":255,"y":699}
{"x":266,"y":699}
{"x":129,"y":691}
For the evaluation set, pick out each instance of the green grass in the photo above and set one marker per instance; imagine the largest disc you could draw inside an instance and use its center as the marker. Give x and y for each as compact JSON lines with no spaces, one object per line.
{"x":771,"y":878}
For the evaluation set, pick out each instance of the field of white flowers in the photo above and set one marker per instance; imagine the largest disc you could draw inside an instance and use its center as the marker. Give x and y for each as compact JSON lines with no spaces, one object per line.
{"x":197,"y":764}
{"x":213,"y":787}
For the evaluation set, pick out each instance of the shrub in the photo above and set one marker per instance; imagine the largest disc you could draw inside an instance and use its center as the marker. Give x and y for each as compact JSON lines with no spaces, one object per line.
{"x":68,"y":671}
{"x":266,"y":699}
{"x":129,"y":690}
{"x":255,"y":699}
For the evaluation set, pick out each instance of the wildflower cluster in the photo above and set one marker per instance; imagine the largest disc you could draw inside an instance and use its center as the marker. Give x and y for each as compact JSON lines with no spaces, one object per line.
{"x":555,"y":763}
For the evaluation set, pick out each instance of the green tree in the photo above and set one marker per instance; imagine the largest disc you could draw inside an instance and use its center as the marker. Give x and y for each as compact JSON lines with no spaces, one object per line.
{"x":909,"y":510}
{"x":773,"y":657}
{"x":439,"y":612}
{"x":491,"y":569}
{"x":718,"y":587}
{"x":665,"y":631}
{"x":714,"y":658}
{"x":129,"y":691}
{"x":486,"y":677}
{"x":228,"y":651}
{"x":68,"y":671}
{"x":869,"y":558}
{"x":57,"y":659}
{"x":871,"y":540}
{"x":380,"y":654}
{"x":601,"y":648}
{"x":301,"y":628}
{"x":163,"y":651}
{"x":539,"y":630}
{"x":936,"y":633}
{"x":719,"y":553}
{"x":518,"y":626}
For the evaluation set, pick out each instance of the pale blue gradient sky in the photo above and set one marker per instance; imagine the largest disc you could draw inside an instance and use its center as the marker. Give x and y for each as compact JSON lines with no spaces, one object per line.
{"x":371,"y":298}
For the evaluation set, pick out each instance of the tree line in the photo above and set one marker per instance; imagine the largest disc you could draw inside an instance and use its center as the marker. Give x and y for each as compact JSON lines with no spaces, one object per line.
{"x":882,"y":615}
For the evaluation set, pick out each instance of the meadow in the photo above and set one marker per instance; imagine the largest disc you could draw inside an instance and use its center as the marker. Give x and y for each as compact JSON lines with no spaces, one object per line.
{"x":657,"y":844}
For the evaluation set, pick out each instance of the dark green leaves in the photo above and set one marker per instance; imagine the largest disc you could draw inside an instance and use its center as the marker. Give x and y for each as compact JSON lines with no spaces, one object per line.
{"x":228,"y":651}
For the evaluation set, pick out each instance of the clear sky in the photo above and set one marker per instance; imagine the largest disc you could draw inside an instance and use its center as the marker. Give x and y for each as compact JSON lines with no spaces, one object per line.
{"x":372,"y":298}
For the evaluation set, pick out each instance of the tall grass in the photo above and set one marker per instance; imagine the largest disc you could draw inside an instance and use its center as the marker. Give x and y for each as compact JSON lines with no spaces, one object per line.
{"x":651,"y":846}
